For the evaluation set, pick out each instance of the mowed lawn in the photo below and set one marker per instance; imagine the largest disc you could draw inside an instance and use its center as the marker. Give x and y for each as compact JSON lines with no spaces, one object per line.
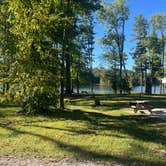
{"x":107,"y":133}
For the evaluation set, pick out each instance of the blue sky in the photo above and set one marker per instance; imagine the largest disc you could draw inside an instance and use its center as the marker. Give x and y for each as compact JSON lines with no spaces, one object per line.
{"x":147,"y":8}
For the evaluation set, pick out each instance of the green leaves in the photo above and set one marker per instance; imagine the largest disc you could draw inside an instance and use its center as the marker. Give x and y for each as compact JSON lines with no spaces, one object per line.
{"x":113,"y":17}
{"x":33,"y":45}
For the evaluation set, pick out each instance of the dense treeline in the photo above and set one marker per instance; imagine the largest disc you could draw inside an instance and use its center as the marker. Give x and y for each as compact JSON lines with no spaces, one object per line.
{"x":45,"y":46}
{"x":46,"y":49}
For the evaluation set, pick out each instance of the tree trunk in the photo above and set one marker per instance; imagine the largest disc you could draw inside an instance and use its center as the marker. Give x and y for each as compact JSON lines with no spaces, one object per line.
{"x":62,"y":70}
{"x":155,"y":87}
{"x":163,"y":45}
{"x":163,"y":51}
{"x":151,"y":77}
{"x":68,"y":74}
{"x":115,"y":89}
{"x":145,"y":82}
{"x":142,"y":77}
{"x":121,"y":55}
{"x":161,"y":87}
{"x":78,"y":83}
{"x":120,"y":73}
{"x":61,"y":92}
{"x":91,"y":68}
{"x":67,"y":54}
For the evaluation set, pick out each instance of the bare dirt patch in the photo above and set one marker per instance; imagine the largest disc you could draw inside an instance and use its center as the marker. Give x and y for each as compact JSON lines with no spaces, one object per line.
{"x":13,"y":161}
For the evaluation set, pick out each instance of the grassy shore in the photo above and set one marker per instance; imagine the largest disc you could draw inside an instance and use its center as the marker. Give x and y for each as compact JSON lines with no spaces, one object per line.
{"x":108,"y":133}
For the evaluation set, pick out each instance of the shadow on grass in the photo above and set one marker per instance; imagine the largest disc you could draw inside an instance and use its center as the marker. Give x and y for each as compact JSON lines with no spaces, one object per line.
{"x":135,"y":126}
{"x":83,"y":153}
{"x":5,"y":105}
{"x":7,"y":109}
{"x":118,"y":97}
{"x":138,"y":127}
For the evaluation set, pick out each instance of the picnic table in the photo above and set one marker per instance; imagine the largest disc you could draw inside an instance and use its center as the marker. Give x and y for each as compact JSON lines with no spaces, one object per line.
{"x":140,"y":105}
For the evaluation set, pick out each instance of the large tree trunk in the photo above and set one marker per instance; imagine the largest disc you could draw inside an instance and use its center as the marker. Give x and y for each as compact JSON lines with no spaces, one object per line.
{"x":68,"y":55}
{"x":62,"y":70}
{"x":151,"y":77}
{"x":145,"y":82}
{"x":120,"y":73}
{"x":115,"y":77}
{"x":68,"y":73}
{"x":61,"y":93}
{"x":78,"y":83}
{"x":91,"y":71}
{"x":121,"y":55}
{"x":163,"y":51}
{"x":142,"y":78}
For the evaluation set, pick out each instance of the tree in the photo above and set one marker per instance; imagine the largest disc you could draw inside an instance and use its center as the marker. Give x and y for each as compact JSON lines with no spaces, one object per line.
{"x":7,"y":45}
{"x":140,"y":53}
{"x":36,"y":67}
{"x":45,"y":32}
{"x":158,"y":22}
{"x":155,"y":49}
{"x":113,"y":59}
{"x":113,"y":17}
{"x":83,"y":49}
{"x":72,"y":9}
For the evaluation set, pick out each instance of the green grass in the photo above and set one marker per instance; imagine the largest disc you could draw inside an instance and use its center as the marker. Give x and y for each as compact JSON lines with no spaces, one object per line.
{"x":110,"y":132}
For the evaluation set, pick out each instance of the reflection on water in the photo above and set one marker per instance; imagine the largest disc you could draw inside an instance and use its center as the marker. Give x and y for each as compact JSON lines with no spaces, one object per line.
{"x":106,"y":89}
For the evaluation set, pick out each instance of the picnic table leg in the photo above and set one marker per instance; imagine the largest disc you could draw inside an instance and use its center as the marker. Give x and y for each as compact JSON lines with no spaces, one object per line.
{"x":149,"y":109}
{"x":135,"y":110}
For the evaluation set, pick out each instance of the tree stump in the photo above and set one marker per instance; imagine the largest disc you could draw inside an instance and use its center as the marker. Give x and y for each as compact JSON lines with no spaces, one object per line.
{"x":97,"y":102}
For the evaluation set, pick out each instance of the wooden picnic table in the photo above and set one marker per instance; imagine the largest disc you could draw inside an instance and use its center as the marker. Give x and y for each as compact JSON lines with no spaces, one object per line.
{"x":140,"y":105}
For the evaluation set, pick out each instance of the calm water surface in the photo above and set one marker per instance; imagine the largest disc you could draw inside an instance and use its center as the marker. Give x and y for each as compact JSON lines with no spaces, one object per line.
{"x":105,"y":89}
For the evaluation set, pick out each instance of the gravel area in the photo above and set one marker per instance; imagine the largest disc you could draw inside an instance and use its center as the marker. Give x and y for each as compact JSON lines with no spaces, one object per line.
{"x":13,"y":161}
{"x":160,"y":113}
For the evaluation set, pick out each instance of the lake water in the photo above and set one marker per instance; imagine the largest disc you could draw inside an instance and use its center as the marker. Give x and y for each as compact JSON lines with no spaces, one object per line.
{"x":105,"y":89}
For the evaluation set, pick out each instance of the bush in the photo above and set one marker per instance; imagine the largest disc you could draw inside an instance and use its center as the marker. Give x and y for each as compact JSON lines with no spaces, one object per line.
{"x":39,"y":102}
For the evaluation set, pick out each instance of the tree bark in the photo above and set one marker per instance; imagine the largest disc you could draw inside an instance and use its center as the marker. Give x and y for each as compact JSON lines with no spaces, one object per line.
{"x":121,"y":55}
{"x":68,"y":55}
{"x":142,"y":77}
{"x":62,"y":70}
{"x":145,"y":82}
{"x":68,"y":74}
{"x":163,"y":45}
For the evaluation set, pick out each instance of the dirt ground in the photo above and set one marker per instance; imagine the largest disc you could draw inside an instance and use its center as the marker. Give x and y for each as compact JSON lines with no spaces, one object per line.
{"x":13,"y":161}
{"x":160,"y":113}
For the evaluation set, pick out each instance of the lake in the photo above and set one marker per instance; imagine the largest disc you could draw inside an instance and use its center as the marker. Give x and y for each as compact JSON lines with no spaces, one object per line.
{"x":106,"y":89}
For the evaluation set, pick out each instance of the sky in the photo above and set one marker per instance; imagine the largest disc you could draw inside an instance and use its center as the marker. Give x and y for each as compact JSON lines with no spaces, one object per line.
{"x":147,"y":8}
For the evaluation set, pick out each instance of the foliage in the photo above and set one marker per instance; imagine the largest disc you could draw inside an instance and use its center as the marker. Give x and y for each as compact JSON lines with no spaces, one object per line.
{"x":35,"y":69}
{"x":113,"y":17}
{"x":7,"y":46}
{"x":39,"y":47}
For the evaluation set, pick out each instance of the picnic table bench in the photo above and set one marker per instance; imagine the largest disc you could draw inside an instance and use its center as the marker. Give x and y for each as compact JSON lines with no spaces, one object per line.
{"x":140,"y":105}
